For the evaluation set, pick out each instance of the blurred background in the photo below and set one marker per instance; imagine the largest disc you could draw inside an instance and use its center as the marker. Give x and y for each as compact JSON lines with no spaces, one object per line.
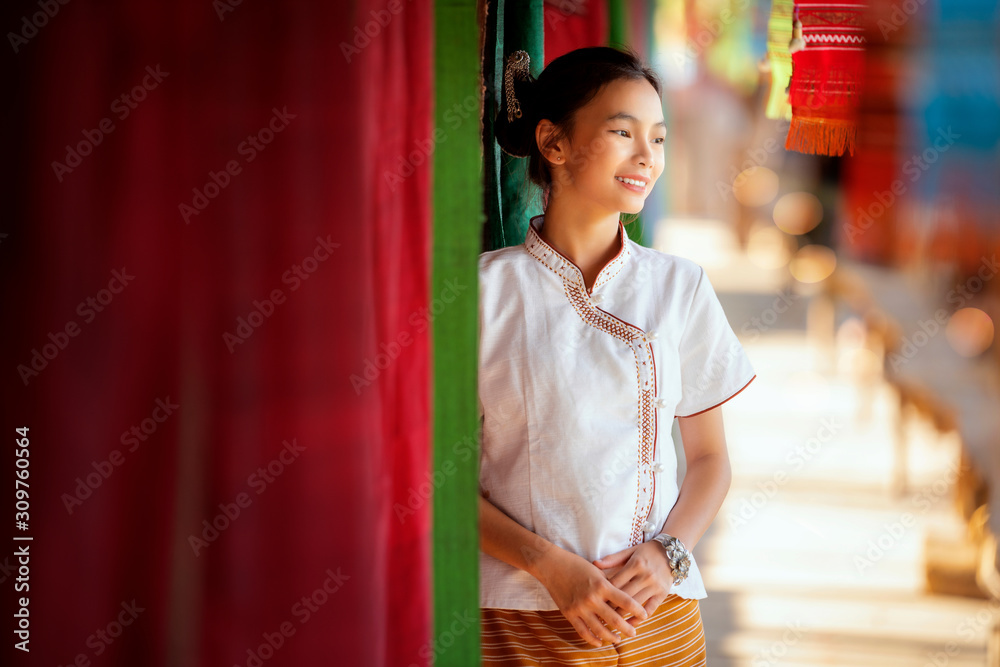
{"x":238,"y":274}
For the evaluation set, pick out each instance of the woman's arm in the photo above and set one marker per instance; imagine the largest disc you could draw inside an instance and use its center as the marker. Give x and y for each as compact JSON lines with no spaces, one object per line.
{"x":707,"y":480}
{"x":578,"y":587}
{"x":642,"y":571}
{"x":507,"y":540}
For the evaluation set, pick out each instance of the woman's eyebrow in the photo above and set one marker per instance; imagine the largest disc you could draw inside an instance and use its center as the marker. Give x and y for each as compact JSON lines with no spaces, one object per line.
{"x":621,"y":115}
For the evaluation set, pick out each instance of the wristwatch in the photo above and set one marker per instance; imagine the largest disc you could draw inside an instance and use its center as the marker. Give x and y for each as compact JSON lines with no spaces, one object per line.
{"x":677,"y":555}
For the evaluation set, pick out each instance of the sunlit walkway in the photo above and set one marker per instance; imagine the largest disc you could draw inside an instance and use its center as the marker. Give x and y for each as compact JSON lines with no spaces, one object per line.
{"x":811,"y":560}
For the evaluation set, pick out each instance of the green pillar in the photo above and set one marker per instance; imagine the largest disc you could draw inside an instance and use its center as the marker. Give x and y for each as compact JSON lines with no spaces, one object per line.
{"x":457,"y":225}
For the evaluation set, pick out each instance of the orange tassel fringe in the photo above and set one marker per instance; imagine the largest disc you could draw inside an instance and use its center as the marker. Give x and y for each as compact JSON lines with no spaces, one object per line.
{"x":821,"y":136}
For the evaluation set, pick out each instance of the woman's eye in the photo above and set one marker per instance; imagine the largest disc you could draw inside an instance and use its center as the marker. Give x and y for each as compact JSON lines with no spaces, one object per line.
{"x":657,"y":140}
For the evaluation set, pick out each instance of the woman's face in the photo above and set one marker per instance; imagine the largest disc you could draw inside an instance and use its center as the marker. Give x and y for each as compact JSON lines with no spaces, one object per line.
{"x":618,"y":134}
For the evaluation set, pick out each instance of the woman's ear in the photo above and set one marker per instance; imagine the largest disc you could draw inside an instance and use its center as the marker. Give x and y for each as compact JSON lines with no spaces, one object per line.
{"x":551,"y":151}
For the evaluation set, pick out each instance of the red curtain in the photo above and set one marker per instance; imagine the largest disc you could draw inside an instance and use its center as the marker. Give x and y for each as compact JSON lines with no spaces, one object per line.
{"x":574,"y":25}
{"x":213,"y":270}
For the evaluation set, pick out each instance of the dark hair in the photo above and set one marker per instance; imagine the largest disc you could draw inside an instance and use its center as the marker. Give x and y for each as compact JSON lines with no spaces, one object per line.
{"x":568,"y":83}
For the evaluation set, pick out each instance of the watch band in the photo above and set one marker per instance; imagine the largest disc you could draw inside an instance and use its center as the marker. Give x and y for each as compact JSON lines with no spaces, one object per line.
{"x":678,"y":556}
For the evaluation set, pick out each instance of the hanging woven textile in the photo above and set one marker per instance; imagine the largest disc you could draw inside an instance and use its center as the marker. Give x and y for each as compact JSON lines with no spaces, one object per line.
{"x":779,"y":60}
{"x":876,"y":192}
{"x":827,"y":49}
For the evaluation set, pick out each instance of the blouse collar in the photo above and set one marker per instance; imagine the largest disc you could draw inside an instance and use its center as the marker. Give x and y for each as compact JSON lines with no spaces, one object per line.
{"x":563,"y":266}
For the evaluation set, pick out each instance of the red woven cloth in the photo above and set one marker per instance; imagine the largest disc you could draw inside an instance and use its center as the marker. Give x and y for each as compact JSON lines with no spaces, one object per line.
{"x":171,"y":523}
{"x":574,"y":25}
{"x":826,"y":77}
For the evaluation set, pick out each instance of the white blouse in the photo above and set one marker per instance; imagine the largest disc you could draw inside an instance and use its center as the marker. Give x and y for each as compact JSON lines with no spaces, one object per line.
{"x":577,"y":393}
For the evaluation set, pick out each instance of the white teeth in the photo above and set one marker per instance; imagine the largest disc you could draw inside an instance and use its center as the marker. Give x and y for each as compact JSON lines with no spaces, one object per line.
{"x":641,"y":184}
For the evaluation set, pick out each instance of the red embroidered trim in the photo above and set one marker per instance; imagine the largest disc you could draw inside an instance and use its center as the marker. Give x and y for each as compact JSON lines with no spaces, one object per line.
{"x":538,"y":248}
{"x":646,"y":388}
{"x":719,"y":403}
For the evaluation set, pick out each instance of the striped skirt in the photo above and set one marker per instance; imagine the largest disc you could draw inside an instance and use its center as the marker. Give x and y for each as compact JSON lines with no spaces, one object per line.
{"x":672,"y":637}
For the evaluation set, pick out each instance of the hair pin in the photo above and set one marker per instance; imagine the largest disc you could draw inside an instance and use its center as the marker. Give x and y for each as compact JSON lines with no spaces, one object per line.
{"x":517,"y":66}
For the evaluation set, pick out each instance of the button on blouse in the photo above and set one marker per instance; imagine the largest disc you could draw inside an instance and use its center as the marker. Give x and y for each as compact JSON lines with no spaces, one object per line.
{"x":577,"y":392}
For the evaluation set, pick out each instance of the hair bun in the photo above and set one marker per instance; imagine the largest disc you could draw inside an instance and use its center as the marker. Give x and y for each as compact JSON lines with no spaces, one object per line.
{"x":516,"y":135}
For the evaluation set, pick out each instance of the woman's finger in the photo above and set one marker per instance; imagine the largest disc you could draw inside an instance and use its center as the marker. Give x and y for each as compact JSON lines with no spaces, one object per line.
{"x":643,"y":595}
{"x":626,"y":602}
{"x":650,"y":600}
{"x":616,"y":621}
{"x":584,"y":631}
{"x":652,"y":603}
{"x":632,"y":588}
{"x":623,"y":576}
{"x":634,"y":621}
{"x":602,"y":627}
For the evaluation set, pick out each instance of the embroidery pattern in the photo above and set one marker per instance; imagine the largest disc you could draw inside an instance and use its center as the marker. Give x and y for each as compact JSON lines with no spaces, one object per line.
{"x":567,"y":270}
{"x":645,"y":384}
{"x":829,"y":38}
{"x":634,"y":337}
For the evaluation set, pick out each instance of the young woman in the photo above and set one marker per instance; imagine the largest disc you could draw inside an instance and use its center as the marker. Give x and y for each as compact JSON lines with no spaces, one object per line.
{"x":590,"y":345}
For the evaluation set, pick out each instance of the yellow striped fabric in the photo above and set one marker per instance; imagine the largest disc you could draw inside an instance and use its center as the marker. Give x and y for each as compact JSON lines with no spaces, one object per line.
{"x":672,"y":637}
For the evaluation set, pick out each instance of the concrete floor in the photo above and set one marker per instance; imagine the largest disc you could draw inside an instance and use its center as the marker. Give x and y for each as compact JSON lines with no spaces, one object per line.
{"x":812,"y":559}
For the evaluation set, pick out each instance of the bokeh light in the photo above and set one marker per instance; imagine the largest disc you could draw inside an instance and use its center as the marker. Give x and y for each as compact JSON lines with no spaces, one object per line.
{"x":797,"y":212}
{"x":970,"y":332}
{"x":768,"y":247}
{"x":755,"y":186}
{"x":813,"y":263}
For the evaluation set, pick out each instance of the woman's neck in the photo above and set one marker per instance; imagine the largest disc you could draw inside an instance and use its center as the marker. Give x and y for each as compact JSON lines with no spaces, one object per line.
{"x":589,"y":239}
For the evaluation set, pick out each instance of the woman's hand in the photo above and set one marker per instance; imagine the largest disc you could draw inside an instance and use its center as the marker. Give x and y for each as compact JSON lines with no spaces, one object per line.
{"x":588,"y":600}
{"x":643,"y":573}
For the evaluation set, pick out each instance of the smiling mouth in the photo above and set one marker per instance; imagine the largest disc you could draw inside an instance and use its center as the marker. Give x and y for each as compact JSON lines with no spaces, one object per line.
{"x":632,"y":184}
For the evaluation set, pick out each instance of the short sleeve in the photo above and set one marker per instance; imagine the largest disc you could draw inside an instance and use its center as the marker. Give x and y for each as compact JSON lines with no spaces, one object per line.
{"x":479,"y":333}
{"x":714,"y":366}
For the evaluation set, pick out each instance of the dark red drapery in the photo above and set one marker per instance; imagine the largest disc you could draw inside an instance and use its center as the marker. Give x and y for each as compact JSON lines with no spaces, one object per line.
{"x":252,"y":224}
